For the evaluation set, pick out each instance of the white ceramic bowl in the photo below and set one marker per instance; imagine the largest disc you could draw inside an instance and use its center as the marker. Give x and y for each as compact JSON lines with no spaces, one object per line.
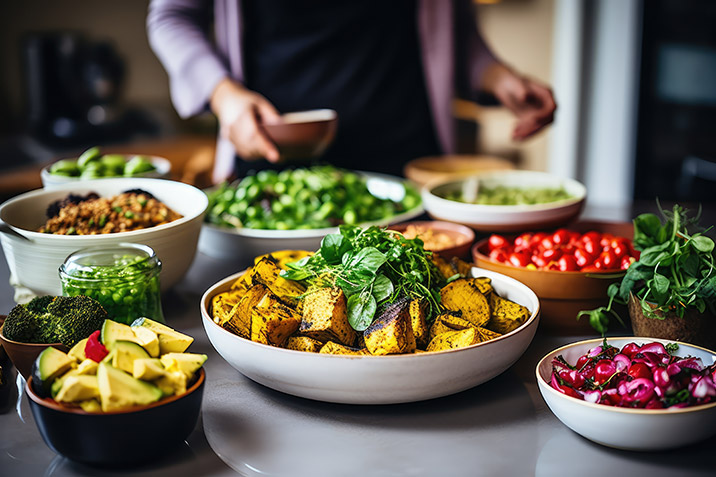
{"x":34,"y":263}
{"x":245,"y":244}
{"x":506,"y":218}
{"x":629,"y":429}
{"x":163,"y":167}
{"x":376,"y":379}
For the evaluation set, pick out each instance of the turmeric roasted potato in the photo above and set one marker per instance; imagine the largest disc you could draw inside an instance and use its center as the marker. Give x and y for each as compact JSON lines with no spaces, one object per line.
{"x":303,"y":343}
{"x":336,"y":348}
{"x":464,"y":296}
{"x":325,"y":316}
{"x":391,"y":332}
{"x":505,"y":315}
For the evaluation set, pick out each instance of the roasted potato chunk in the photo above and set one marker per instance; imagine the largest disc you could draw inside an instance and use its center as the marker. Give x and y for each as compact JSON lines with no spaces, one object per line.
{"x":454,"y":339}
{"x":282,"y":257}
{"x":303,"y":343}
{"x":266,"y":272}
{"x":462,"y":267}
{"x":325,"y":316}
{"x":223,"y":305}
{"x":464,"y":295}
{"x":417,"y":309}
{"x":505,"y":315}
{"x":336,"y":348}
{"x":243,"y":283}
{"x":239,"y":322}
{"x":272,"y":322}
{"x":447,"y":322}
{"x":443,"y":265}
{"x":391,"y":332}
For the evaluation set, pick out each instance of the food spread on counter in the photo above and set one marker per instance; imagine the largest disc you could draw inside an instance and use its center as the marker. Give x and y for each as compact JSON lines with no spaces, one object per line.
{"x":92,"y":164}
{"x":304,"y":198}
{"x":118,"y":367}
{"x":433,"y":240}
{"x":506,"y":195}
{"x":89,"y":215}
{"x":650,"y":376}
{"x":564,"y":250}
{"x":365,"y":292}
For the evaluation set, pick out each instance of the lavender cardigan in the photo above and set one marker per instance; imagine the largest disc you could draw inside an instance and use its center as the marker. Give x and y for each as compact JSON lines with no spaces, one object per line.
{"x":453,"y":53}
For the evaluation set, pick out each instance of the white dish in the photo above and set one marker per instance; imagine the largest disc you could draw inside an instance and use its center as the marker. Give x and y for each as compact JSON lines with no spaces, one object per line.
{"x":34,"y":263}
{"x":376,"y":379}
{"x":163,"y":167}
{"x":506,"y":218}
{"x":245,"y":244}
{"x":629,"y":429}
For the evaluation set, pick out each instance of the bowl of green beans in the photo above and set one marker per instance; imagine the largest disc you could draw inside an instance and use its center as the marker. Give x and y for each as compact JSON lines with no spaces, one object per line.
{"x":296,"y":208}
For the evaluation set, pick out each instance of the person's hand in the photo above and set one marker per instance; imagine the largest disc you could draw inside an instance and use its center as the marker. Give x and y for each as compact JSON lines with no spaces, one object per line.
{"x":240,"y":112}
{"x":531,"y":102}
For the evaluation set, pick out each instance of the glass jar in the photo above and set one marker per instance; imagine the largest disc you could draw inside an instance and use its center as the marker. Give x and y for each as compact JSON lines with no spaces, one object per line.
{"x":123,"y":278}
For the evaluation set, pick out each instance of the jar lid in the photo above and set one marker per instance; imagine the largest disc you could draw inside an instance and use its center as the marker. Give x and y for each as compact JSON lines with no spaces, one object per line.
{"x":122,"y":260}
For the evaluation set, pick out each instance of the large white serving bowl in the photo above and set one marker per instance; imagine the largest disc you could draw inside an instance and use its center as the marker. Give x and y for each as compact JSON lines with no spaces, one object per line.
{"x":245,"y":244}
{"x":506,"y":218}
{"x":163,"y":167}
{"x":622,"y":428}
{"x":34,"y":260}
{"x":376,"y":379}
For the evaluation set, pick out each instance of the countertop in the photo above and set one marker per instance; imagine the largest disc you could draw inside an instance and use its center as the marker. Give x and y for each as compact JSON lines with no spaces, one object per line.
{"x":502,"y":427}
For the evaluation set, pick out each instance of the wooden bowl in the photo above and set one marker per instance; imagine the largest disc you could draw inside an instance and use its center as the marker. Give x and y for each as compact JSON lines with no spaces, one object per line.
{"x":460,"y":236}
{"x":303,"y":134}
{"x":563,"y":295}
{"x":23,"y":355}
{"x":428,"y":169}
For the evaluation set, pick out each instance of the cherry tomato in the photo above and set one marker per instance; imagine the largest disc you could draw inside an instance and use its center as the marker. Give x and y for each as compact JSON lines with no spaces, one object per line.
{"x":523,"y":240}
{"x":498,"y":255}
{"x":519,"y":259}
{"x":567,"y":263}
{"x":609,"y":260}
{"x":591,"y":268}
{"x":626,"y":262}
{"x":561,"y":236}
{"x":619,"y":246}
{"x":591,"y":246}
{"x":497,"y":241}
{"x":539,"y":261}
{"x":583,"y":257}
{"x":551,"y":254}
{"x":606,"y":241}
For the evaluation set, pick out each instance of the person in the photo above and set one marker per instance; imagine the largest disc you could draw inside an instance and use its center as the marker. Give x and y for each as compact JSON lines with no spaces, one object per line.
{"x":389,"y":69}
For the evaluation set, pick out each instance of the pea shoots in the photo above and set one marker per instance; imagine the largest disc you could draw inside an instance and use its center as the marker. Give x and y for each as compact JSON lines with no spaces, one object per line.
{"x":373,"y":267}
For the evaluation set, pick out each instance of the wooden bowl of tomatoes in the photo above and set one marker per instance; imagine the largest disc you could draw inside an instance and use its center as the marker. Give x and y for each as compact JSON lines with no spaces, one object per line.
{"x":569,"y":269}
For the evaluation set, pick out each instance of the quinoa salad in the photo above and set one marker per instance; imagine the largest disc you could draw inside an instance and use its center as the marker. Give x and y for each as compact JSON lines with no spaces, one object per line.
{"x":91,"y":215}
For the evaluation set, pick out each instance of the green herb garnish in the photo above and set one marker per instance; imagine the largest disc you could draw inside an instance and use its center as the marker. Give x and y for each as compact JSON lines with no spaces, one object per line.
{"x":373,"y":267}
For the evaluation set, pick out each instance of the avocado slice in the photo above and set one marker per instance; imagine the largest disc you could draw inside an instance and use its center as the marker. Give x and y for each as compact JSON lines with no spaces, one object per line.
{"x":118,"y":390}
{"x":78,"y":388}
{"x":48,"y":365}
{"x":78,"y":350}
{"x":172,"y":383}
{"x":113,"y":331}
{"x":148,"y":369}
{"x":187,"y":363}
{"x":170,"y":340}
{"x":91,"y":405}
{"x":148,"y":339}
{"x":124,"y":353}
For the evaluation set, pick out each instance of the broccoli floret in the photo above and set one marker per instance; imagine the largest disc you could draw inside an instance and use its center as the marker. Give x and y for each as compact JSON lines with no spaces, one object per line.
{"x":22,"y":325}
{"x":75,"y":318}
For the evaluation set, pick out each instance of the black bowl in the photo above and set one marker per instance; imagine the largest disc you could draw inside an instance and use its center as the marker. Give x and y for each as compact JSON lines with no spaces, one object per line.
{"x":121,"y":438}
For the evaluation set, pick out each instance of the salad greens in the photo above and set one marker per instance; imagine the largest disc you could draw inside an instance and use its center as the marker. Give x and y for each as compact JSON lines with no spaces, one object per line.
{"x":675,"y":271}
{"x":373,"y":267}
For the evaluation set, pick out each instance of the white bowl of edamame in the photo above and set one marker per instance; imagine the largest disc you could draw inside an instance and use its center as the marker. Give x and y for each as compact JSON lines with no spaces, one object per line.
{"x":296,"y":208}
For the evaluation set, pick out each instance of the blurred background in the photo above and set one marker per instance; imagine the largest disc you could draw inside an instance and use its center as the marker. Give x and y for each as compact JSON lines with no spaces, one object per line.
{"x":635,"y":82}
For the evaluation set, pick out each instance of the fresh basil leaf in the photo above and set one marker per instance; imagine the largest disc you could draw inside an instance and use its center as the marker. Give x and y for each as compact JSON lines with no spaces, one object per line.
{"x":382,"y":288}
{"x":659,"y":286}
{"x":689,"y":265}
{"x":353,"y":281}
{"x":333,"y":246}
{"x":654,"y":255}
{"x":295,"y":274}
{"x":369,"y":258}
{"x":702,"y":244}
{"x":646,"y":231}
{"x":361,"y":309}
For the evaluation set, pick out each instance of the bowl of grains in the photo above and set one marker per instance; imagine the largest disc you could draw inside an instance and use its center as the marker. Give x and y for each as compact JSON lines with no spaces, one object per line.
{"x":448,"y":239}
{"x":42,"y":227}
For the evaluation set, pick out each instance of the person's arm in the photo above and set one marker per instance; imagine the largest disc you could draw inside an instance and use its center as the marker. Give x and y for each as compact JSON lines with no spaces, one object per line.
{"x":531,"y":102}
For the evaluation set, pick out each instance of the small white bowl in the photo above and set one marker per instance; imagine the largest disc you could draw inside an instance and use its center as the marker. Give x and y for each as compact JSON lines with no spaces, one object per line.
{"x":34,"y":262}
{"x":163,"y":167}
{"x":376,"y":379}
{"x":245,"y":244}
{"x":622,"y":428}
{"x":506,"y":218}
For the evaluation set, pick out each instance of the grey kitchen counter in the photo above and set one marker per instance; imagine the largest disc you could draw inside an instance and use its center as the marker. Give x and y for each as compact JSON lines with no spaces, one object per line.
{"x":502,"y":427}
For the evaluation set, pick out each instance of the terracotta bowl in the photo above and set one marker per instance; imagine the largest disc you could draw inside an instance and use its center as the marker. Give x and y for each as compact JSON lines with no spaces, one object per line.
{"x":460,"y":236}
{"x":303,"y":134}
{"x":696,"y":328}
{"x":23,"y":355}
{"x":120,"y":438}
{"x":563,"y":294}
{"x":428,"y":169}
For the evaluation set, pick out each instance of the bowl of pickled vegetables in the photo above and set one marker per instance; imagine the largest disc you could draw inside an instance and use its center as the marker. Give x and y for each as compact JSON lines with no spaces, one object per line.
{"x":506,"y":201}
{"x":94,"y":164}
{"x":296,"y":208}
{"x":632,"y":393}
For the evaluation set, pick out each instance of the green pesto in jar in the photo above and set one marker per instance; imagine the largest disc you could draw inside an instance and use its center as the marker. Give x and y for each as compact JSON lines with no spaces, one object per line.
{"x":124,"y":279}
